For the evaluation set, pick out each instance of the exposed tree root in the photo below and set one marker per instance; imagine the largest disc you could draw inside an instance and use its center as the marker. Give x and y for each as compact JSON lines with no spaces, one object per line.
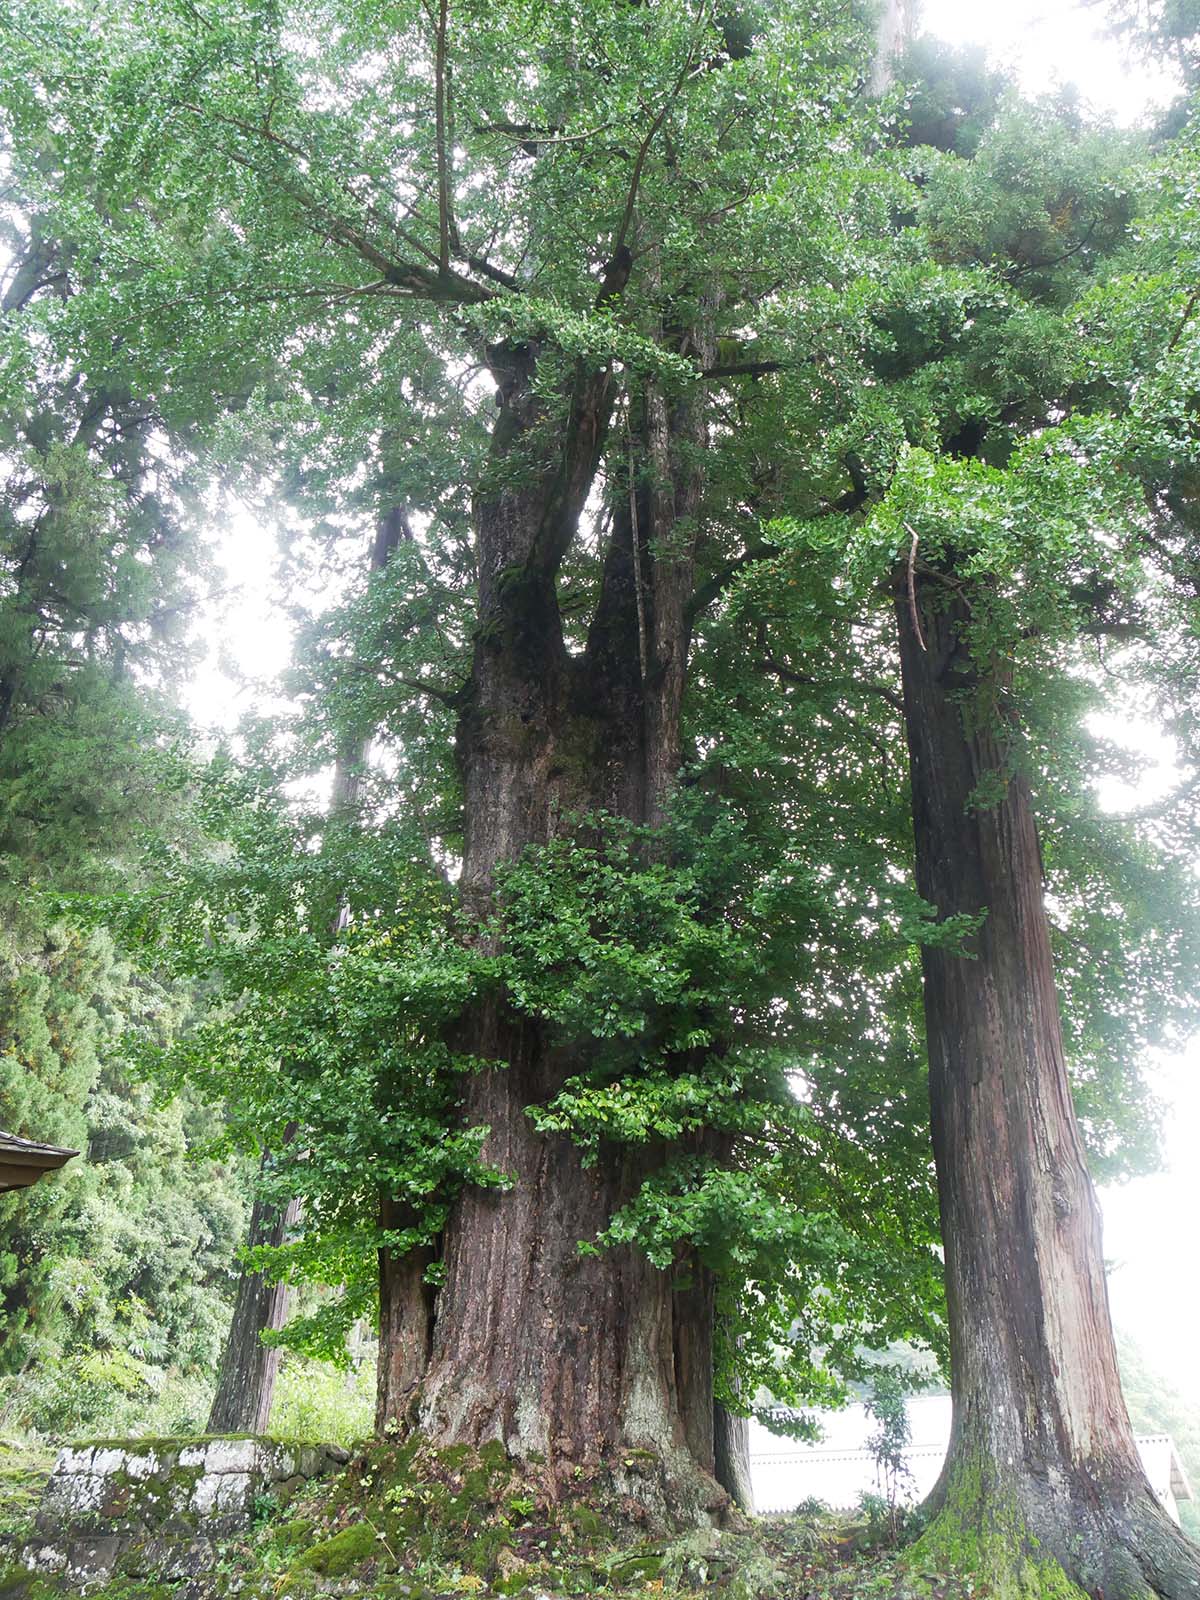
{"x":1018,"y":1540}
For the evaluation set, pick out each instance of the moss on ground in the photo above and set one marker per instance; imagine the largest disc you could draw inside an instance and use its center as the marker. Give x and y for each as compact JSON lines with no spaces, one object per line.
{"x":342,"y":1553}
{"x":406,"y":1522}
{"x":24,"y":1470}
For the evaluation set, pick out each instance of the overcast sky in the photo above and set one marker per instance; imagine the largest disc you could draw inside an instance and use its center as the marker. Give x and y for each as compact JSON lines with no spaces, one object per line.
{"x":1150,"y":1223}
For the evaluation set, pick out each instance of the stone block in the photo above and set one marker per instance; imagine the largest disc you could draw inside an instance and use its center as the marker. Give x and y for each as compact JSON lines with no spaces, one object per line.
{"x":311,"y":1460}
{"x":93,"y":1558}
{"x":153,"y":1510}
{"x":44,"y":1558}
{"x":152,"y":1464}
{"x":276,"y":1461}
{"x":67,"y":1499}
{"x":218,"y":1494}
{"x":285,"y":1490}
{"x":231,"y":1455}
{"x":171,"y":1559}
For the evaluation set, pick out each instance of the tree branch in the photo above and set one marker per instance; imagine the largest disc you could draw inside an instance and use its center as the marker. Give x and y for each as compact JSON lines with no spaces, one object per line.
{"x":867,"y":686}
{"x":713,"y":587}
{"x":447,"y":697}
{"x":421,"y":282}
{"x":620,"y":249}
{"x":1052,"y":261}
{"x":743,"y":369}
{"x":447,"y":228}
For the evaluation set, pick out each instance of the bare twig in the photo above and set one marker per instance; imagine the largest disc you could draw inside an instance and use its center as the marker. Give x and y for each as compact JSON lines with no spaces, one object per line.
{"x":914,"y":614}
{"x":1183,"y":321}
{"x":447,"y":231}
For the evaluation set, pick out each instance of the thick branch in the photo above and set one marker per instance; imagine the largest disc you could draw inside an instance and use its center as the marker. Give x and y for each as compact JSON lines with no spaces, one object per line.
{"x":446,"y":697}
{"x":744,"y":369}
{"x":428,"y":283}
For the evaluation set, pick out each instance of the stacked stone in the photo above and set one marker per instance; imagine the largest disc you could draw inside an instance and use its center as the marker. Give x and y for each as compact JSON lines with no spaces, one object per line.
{"x":156,"y":1508}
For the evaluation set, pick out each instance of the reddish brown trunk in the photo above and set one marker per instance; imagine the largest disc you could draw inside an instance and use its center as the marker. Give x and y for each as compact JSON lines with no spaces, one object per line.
{"x":246,"y":1383}
{"x":572,"y":1360}
{"x":1041,"y":1447}
{"x":405,"y":1327}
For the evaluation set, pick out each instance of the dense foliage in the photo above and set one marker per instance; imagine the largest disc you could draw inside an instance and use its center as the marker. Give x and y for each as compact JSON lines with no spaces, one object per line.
{"x":113,"y":1279}
{"x":270,"y":245}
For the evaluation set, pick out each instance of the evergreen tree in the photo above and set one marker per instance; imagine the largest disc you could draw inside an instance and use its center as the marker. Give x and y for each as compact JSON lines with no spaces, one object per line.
{"x":698,"y":373}
{"x":96,"y":575}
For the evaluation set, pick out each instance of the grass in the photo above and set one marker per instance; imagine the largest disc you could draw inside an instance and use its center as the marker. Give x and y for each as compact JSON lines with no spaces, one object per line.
{"x":24,"y":1468}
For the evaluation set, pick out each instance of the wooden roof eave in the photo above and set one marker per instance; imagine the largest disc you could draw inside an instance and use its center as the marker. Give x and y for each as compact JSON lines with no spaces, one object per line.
{"x":24,"y":1161}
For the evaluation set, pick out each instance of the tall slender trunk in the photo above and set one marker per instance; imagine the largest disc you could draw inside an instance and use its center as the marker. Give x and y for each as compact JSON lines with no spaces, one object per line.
{"x":731,"y":1440}
{"x":1042,"y":1465}
{"x":894,"y":30}
{"x":246,"y":1382}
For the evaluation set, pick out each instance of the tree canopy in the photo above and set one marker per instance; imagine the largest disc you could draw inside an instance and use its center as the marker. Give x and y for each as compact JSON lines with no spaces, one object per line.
{"x":624,"y":377}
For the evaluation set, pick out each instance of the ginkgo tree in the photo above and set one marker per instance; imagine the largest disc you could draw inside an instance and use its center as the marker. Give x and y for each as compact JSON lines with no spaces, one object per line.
{"x":689,"y":360}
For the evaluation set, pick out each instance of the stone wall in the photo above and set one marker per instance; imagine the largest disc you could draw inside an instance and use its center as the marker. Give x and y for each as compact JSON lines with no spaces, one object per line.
{"x":155,"y":1508}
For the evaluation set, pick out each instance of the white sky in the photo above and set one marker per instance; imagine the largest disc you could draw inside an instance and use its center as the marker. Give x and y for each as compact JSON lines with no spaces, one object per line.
{"x":1051,"y":43}
{"x":1149,"y":1223}
{"x":245,"y":631}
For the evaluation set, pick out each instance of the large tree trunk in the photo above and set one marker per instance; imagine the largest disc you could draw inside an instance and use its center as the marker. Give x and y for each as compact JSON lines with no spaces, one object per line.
{"x":246,"y":1382}
{"x":577,"y":1363}
{"x":1042,"y":1465}
{"x":406,"y":1302}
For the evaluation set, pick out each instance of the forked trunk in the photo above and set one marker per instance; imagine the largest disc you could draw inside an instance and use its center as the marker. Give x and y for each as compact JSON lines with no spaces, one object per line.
{"x":1042,"y":1465}
{"x":578,"y":1363}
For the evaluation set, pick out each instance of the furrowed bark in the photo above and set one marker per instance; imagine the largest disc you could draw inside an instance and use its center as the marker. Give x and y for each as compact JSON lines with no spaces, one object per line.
{"x":1042,"y":1467}
{"x":406,"y":1301}
{"x":577,"y":1363}
{"x":731,"y":1436}
{"x":246,"y":1381}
